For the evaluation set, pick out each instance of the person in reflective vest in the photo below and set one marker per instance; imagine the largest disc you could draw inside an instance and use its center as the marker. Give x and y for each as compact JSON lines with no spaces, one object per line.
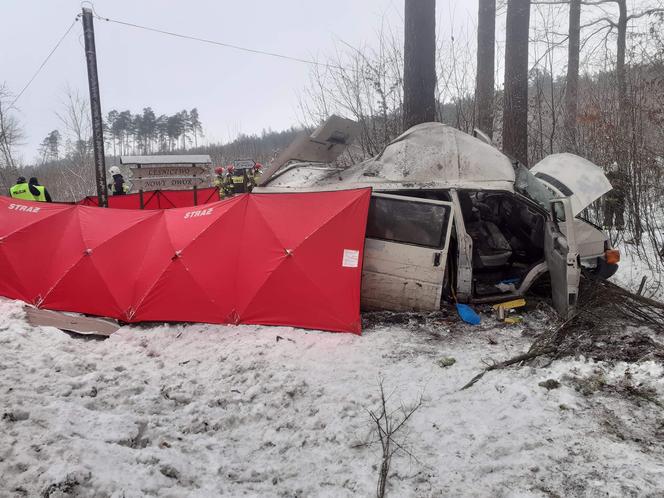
{"x":118,"y":187}
{"x":239,"y":180}
{"x":21,"y":190}
{"x":254,"y":176}
{"x":29,"y":191}
{"x":39,"y":191}
{"x":229,"y":185}
{"x":220,"y":183}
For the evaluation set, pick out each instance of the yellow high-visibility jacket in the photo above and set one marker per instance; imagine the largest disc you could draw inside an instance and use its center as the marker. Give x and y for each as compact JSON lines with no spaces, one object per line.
{"x":22,"y":191}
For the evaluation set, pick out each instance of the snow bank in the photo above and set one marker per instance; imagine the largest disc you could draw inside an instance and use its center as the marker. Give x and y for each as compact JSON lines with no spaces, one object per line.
{"x":637,"y":262}
{"x":202,"y":410}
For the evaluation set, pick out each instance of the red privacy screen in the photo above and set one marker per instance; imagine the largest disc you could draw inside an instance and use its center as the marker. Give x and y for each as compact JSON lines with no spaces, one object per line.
{"x":157,"y":199}
{"x":290,"y":259}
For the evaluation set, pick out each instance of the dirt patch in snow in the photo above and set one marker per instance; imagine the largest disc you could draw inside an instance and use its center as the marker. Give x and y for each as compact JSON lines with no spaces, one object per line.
{"x":413,"y":320}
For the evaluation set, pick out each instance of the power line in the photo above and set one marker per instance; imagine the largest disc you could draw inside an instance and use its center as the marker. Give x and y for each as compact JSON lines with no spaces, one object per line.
{"x":44,"y":62}
{"x":222,"y":44}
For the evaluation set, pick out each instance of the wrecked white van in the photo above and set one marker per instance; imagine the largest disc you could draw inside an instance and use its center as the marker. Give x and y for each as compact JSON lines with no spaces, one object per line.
{"x":451,"y":217}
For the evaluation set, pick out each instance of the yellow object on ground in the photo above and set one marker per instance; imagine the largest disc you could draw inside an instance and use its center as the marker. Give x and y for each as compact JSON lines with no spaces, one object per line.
{"x":513,"y":319}
{"x":508,"y":305}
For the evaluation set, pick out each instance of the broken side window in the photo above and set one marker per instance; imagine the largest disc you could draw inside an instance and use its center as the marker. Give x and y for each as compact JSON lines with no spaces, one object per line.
{"x":407,"y":222}
{"x":527,"y":184}
{"x":558,"y":211}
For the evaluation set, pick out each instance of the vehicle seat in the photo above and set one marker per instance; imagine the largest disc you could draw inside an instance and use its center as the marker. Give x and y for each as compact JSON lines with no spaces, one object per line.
{"x":468,"y":211}
{"x":490,"y":247}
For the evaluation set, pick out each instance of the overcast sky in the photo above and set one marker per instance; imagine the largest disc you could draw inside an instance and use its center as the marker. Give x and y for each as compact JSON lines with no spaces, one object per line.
{"x":233,"y":91}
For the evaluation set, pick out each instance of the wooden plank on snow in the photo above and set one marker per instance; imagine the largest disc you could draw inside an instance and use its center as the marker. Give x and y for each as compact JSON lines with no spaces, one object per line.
{"x":72,"y":322}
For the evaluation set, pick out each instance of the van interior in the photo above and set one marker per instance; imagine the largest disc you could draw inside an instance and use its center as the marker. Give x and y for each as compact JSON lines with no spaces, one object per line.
{"x":508,"y":238}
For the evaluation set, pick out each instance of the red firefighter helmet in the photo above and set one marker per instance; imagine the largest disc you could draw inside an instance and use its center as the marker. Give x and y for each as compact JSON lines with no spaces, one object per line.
{"x":258,"y":166}
{"x":230,"y":168}
{"x":219,"y":170}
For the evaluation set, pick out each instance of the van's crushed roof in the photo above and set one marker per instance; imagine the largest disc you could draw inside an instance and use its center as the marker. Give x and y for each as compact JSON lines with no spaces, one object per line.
{"x":429,"y":156}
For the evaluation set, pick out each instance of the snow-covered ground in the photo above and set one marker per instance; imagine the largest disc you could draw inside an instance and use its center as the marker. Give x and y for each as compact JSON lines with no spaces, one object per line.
{"x":637,"y":262}
{"x":203,"y":410}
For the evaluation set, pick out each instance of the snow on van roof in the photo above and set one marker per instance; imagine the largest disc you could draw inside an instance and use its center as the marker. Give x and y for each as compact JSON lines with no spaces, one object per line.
{"x":429,"y":155}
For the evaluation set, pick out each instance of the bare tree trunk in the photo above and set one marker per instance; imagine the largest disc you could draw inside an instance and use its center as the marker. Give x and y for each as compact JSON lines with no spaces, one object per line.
{"x":572,"y":85}
{"x":11,"y":135}
{"x":419,"y":75}
{"x":625,"y":138}
{"x":484,"y":88}
{"x":538,"y":145}
{"x":621,"y":76}
{"x":515,"y":112}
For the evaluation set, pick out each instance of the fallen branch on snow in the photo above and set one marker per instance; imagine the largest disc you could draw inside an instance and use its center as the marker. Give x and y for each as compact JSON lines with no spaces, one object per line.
{"x":608,"y":305}
{"x":387,"y":427}
{"x":503,"y":364}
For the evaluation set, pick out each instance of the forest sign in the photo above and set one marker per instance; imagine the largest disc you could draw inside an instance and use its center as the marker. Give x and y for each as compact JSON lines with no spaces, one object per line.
{"x":165,"y":183}
{"x":166,"y":171}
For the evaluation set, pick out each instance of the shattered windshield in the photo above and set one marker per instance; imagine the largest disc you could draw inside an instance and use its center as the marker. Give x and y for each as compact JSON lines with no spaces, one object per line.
{"x":527,"y":184}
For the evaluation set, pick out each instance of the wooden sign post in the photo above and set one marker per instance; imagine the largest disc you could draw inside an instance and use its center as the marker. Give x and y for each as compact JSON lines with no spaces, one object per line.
{"x":176,"y":172}
{"x":166,"y":183}
{"x":166,"y":171}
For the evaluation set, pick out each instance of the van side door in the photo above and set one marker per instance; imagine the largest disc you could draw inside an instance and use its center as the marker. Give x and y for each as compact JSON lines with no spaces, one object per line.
{"x":405,"y":253}
{"x":562,"y":257}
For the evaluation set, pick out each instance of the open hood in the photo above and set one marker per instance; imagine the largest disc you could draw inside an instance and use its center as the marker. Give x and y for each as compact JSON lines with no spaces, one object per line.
{"x":568,"y":175}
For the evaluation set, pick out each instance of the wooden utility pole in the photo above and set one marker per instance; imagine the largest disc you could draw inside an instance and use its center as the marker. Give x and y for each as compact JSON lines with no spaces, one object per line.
{"x":515,"y":112}
{"x":419,"y":74}
{"x":486,"y":43}
{"x":95,"y":108}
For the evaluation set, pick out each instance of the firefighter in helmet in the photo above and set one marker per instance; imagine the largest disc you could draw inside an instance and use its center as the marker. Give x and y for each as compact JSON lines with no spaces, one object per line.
{"x":219,"y":181}
{"x":254,"y":176}
{"x":118,"y":187}
{"x":229,"y":181}
{"x":239,"y":179}
{"x":615,"y":199}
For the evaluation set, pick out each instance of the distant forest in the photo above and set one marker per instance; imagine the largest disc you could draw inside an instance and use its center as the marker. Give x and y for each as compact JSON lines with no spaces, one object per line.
{"x":126,"y":133}
{"x":65,"y":157}
{"x":147,"y":133}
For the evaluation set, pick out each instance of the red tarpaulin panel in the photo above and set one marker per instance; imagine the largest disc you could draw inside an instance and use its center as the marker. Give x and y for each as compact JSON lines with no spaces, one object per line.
{"x":273,"y":259}
{"x":157,"y":199}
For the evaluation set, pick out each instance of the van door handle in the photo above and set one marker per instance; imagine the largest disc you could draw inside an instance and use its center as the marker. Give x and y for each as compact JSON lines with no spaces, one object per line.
{"x":436,"y":259}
